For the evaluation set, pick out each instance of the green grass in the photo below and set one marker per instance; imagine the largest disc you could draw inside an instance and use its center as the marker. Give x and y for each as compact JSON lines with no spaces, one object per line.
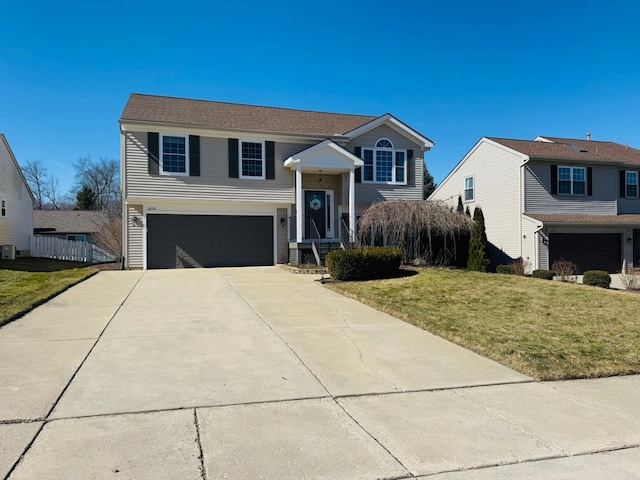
{"x":548,"y":330}
{"x":29,"y":282}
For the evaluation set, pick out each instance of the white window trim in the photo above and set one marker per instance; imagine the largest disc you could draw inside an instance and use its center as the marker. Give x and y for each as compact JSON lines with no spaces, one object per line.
{"x":264,"y":160}
{"x":637,"y":184}
{"x":393,"y":151}
{"x":186,"y":155}
{"x":571,"y":169}
{"x":473,"y":189}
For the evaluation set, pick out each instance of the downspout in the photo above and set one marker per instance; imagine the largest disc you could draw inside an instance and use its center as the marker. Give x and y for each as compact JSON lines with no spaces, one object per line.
{"x":523,"y":194}
{"x":125,"y":218}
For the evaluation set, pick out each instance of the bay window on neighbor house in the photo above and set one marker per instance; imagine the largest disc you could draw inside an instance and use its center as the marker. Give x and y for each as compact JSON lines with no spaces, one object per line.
{"x":631,"y":184}
{"x":252,"y":159}
{"x":384,"y":164}
{"x":174,"y":155}
{"x":469,"y":189}
{"x":572,"y":181}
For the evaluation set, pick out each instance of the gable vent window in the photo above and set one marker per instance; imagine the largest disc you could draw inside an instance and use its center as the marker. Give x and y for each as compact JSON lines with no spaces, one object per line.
{"x":632,"y":184}
{"x":174,"y":155}
{"x":384,"y":164}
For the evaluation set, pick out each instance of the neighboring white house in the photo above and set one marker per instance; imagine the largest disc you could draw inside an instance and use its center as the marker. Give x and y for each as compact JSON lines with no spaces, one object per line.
{"x":220,"y":184}
{"x":553,"y":198}
{"x":16,"y":205}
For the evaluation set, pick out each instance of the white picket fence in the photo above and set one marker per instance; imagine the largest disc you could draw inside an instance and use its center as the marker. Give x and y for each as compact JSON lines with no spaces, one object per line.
{"x":60,"y":249}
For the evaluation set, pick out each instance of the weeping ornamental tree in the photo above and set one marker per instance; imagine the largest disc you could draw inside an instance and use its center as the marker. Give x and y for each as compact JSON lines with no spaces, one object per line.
{"x":478,"y":247}
{"x":426,"y":230}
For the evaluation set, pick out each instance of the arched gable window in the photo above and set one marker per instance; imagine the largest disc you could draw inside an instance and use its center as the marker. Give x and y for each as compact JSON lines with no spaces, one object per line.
{"x":384,"y":164}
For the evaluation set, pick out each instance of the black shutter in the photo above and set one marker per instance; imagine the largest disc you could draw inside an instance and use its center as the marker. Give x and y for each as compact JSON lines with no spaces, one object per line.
{"x":554,"y":179}
{"x":357,"y":151}
{"x":589,"y":181}
{"x":194,"y":155}
{"x":623,"y":184}
{"x":233,"y":158}
{"x":411,"y":167}
{"x":270,"y":166}
{"x":153,"y":147}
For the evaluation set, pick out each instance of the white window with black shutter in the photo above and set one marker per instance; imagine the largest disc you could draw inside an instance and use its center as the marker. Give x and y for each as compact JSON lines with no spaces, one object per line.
{"x":576,"y":181}
{"x":631,"y":184}
{"x":173,"y":154}
{"x":384,"y":164}
{"x":251,"y":159}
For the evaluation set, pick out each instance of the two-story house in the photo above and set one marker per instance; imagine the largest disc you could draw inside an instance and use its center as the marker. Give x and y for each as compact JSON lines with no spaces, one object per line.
{"x":219,"y":184}
{"x":553,"y":198}
{"x":16,"y":205}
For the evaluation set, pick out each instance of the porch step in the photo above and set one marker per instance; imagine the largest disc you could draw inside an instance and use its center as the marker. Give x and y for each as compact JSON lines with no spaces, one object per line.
{"x":325,"y":248}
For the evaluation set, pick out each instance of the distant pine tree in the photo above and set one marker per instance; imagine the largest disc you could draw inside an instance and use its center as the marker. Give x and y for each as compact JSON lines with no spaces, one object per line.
{"x":429,"y":184}
{"x":478,"y":249}
{"x":86,"y":199}
{"x":460,"y":208}
{"x":467,"y":212}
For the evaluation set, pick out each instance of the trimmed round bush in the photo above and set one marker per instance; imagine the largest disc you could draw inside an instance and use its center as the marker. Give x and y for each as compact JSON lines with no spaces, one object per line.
{"x":597,"y":278}
{"x":505,"y":269}
{"x":544,"y":274}
{"x":364,"y":264}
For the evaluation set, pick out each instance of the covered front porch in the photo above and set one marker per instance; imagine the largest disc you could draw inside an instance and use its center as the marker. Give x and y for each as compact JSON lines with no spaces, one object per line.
{"x":323,"y":216}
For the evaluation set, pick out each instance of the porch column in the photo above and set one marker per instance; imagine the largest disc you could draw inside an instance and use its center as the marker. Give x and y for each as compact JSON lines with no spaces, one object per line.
{"x":299,"y":220}
{"x":352,"y":205}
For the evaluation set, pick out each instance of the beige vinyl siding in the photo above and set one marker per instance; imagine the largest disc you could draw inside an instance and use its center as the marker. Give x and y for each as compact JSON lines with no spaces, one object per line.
{"x":538,"y":198}
{"x":496,"y":172}
{"x":367,"y":193}
{"x":135,"y":238}
{"x":282,"y":237}
{"x":214,"y":182}
{"x":16,"y":228}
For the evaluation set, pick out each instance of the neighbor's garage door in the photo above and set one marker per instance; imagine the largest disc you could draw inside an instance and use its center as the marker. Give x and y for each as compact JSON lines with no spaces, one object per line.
{"x":183,"y":241}
{"x":589,"y":251}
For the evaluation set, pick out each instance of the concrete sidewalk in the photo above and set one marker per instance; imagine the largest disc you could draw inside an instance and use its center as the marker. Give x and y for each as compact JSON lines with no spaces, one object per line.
{"x":260,"y":373}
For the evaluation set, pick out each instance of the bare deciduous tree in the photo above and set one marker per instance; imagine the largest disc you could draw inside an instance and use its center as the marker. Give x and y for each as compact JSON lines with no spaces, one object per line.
{"x":36,"y":175}
{"x":420,"y":229}
{"x":103,"y":178}
{"x":109,"y":235}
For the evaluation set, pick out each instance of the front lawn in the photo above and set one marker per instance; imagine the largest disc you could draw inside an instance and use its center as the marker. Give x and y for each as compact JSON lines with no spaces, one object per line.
{"x":546,"y":329}
{"x":26,"y":283}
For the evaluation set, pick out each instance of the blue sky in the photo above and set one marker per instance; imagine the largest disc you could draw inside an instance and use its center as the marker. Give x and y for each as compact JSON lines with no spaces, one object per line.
{"x":454,"y":71}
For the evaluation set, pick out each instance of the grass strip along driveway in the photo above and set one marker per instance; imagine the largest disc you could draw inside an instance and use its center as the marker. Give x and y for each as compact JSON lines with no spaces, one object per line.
{"x":27,"y":283}
{"x":545,"y":329}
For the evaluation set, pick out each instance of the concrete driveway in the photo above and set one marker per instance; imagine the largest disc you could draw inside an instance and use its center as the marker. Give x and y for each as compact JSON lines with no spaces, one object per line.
{"x":260,"y":373}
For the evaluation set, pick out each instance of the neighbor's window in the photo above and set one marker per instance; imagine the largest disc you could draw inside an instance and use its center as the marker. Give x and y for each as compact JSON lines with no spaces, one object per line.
{"x":77,"y":238}
{"x":384,"y":164}
{"x":174,"y":155}
{"x":632,"y":184}
{"x":469,"y":184}
{"x":572,"y":181}
{"x":252,"y":159}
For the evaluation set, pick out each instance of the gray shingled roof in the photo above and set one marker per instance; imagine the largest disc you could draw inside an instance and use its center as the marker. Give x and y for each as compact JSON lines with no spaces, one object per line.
{"x":230,"y":116}
{"x":67,"y":221}
{"x":574,"y":150}
{"x":625,"y":219}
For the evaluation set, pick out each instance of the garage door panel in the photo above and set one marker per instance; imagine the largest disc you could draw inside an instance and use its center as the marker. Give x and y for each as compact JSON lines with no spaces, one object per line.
{"x":187,"y":241}
{"x":589,"y":251}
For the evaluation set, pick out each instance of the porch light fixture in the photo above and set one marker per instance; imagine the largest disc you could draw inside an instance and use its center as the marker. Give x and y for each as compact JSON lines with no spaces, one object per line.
{"x":629,"y":240}
{"x":283,"y":222}
{"x":320,"y":179}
